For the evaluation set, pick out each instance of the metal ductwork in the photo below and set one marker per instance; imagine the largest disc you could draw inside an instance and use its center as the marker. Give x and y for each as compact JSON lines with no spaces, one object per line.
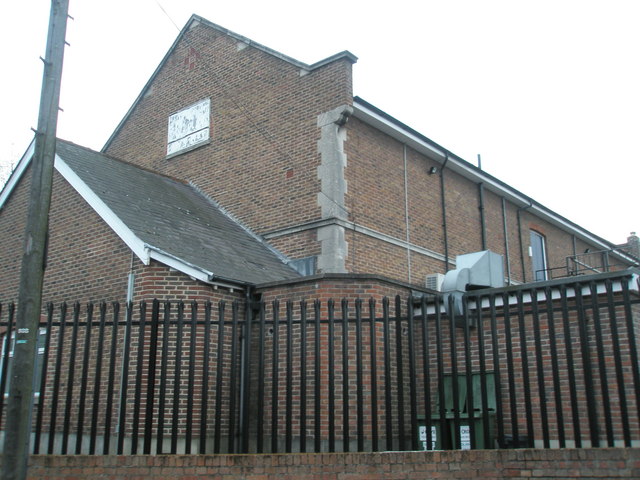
{"x":473,"y":271}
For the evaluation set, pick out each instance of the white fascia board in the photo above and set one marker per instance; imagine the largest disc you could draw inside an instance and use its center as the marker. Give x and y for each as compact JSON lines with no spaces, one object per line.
{"x":142,"y":250}
{"x":178,"y":264}
{"x":386,"y":126}
{"x":136,"y":245}
{"x":17,"y":173}
{"x":191,"y":270}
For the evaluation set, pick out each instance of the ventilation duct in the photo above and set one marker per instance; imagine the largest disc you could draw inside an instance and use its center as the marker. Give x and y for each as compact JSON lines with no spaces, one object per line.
{"x":473,"y":271}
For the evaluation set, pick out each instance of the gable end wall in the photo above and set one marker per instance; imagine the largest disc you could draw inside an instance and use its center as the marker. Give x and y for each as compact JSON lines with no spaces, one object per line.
{"x":261,"y":163}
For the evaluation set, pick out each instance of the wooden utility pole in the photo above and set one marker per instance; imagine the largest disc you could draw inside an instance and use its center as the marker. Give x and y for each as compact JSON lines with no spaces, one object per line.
{"x":20,"y":402}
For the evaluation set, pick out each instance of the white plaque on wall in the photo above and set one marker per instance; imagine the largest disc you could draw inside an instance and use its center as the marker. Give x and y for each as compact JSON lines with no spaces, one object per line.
{"x":189,"y":127}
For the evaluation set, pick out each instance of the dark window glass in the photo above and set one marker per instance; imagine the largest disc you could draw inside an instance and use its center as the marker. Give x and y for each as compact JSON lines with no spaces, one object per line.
{"x":538,"y":257}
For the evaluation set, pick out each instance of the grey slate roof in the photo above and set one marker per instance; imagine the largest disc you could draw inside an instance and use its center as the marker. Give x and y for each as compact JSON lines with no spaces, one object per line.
{"x":176,"y":218}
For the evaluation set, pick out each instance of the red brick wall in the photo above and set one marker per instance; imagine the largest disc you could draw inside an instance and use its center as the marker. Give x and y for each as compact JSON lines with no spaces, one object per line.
{"x":159,"y":281}
{"x":261,"y":165}
{"x":298,"y":245}
{"x":604,"y":464}
{"x":523,"y":337}
{"x":375,"y":199}
{"x":261,"y":162}
{"x":12,"y":222}
{"x":85,"y":361}
{"x":86,"y":259}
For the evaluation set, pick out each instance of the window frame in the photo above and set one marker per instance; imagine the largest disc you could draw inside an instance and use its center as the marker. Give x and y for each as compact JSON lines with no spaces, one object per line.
{"x":538,"y":254}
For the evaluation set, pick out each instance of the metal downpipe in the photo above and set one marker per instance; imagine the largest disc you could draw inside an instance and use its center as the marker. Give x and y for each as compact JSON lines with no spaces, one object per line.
{"x":444,"y":213}
{"x":506,"y":239}
{"x":520,"y":210}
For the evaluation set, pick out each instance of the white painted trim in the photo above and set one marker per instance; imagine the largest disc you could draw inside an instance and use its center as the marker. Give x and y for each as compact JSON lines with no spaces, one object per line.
{"x":360,"y":229}
{"x":385,"y":125}
{"x":136,"y":245}
{"x":392,"y":240}
{"x":177,"y":264}
{"x":616,"y":287}
{"x":142,"y":250}
{"x":193,"y":271}
{"x":16,"y":175}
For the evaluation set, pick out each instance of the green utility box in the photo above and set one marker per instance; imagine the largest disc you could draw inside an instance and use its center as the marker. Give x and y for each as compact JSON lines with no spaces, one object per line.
{"x":438,"y":440}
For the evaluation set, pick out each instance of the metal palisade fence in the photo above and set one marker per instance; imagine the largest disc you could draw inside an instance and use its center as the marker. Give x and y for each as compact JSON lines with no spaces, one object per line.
{"x":543,"y":365}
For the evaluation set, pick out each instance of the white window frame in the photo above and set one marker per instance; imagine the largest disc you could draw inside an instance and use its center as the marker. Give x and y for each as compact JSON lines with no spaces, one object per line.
{"x":539,"y":274}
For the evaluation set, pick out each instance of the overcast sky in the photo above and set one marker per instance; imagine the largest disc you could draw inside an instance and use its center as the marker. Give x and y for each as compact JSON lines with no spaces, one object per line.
{"x":548,"y":92}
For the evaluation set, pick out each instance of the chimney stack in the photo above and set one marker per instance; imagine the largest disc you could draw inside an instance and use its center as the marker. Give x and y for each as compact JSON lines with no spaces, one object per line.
{"x":633,"y":245}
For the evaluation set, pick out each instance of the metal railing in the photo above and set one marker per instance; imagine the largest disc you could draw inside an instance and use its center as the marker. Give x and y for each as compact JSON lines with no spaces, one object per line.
{"x":548,"y":366}
{"x":600,"y":261}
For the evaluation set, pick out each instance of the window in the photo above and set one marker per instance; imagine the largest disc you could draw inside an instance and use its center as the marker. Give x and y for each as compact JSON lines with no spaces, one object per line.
{"x":304,"y":266}
{"x":538,"y":254}
{"x":42,"y":337}
{"x":189,"y":128}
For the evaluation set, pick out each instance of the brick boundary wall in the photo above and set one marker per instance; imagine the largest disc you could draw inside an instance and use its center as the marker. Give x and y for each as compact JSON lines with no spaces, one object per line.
{"x":603,"y":463}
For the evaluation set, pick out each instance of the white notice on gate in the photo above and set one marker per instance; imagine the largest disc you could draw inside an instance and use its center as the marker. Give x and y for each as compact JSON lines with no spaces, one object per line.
{"x":422,"y":430}
{"x":465,"y":437}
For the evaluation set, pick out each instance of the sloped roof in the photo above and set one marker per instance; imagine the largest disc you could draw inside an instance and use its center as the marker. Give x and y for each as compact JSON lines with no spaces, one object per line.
{"x":166,"y":219}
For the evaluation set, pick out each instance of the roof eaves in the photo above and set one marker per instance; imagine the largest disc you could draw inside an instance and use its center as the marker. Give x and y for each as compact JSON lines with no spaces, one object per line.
{"x":388,"y":124}
{"x":16,"y":174}
{"x":194,"y":271}
{"x":144,"y":251}
{"x":100,"y":207}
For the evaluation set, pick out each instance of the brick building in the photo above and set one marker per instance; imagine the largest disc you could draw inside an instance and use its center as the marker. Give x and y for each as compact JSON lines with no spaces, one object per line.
{"x":330,"y":182}
{"x":240,"y":173}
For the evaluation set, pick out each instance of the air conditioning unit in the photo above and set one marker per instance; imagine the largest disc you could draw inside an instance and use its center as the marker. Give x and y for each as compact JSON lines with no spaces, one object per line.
{"x":434,"y":281}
